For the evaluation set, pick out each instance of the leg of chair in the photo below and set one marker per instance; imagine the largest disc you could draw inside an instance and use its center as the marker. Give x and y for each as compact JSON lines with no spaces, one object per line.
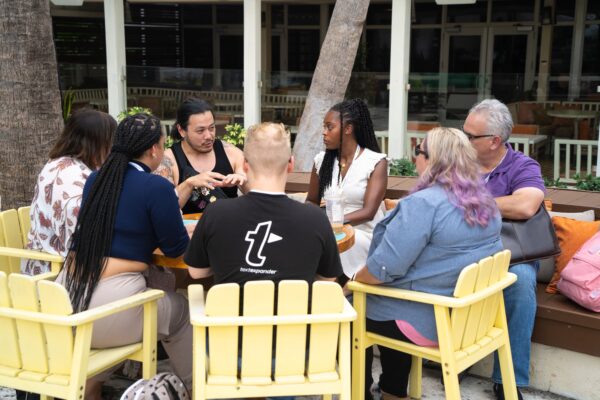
{"x":449,"y":370}
{"x":344,"y":361}
{"x":199,"y":366}
{"x":149,"y":339}
{"x":507,"y":371}
{"x":505,"y":359}
{"x":416,"y":372}
{"x":358,"y":347}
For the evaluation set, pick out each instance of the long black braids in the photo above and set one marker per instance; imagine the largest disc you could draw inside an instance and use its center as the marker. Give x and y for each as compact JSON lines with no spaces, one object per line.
{"x":356,"y":113}
{"x":93,"y":234}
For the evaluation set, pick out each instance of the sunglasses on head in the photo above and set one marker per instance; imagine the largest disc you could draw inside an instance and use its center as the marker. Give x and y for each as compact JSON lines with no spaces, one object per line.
{"x":419,"y":151}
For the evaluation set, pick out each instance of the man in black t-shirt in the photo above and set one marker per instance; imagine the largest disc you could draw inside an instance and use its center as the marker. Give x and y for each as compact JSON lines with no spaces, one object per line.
{"x":264,"y":235}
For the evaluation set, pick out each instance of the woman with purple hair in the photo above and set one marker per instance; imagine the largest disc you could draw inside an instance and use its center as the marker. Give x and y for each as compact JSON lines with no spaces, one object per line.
{"x":448,"y":222}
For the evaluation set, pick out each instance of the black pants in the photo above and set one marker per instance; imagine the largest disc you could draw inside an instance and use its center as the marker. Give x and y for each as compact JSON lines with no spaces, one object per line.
{"x":395,"y":365}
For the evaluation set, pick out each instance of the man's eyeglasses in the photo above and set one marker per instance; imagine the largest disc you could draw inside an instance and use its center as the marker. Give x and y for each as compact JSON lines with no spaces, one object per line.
{"x":419,"y":151}
{"x":472,"y":137}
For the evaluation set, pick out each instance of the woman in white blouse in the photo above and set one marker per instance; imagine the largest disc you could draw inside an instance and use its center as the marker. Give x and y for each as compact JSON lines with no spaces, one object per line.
{"x":352,"y":160}
{"x":81,"y":148}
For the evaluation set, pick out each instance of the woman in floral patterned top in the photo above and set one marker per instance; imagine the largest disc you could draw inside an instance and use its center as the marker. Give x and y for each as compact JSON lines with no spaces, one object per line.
{"x":81,"y":148}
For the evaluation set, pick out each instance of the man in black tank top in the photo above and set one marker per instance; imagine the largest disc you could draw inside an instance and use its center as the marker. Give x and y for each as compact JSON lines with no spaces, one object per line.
{"x":201,"y":167}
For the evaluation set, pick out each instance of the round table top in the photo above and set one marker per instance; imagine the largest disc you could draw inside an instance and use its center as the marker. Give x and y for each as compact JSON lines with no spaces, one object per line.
{"x":348,"y":240}
{"x":159,"y":258}
{"x":572,"y":113}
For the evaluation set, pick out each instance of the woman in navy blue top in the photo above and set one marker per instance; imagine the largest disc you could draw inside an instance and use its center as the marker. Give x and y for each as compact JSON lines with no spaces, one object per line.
{"x":128,"y":212}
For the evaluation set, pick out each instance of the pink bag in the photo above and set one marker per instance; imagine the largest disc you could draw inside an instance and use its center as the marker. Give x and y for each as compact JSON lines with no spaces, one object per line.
{"x":580,"y":280}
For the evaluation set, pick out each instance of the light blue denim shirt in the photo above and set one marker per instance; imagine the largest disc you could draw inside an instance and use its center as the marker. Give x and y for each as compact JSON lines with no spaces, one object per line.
{"x":423,"y":245}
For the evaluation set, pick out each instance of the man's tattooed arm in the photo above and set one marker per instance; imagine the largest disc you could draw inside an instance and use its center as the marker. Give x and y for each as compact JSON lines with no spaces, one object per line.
{"x":165,"y":169}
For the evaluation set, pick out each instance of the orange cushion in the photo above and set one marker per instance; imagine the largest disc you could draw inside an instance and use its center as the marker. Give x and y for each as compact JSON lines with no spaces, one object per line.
{"x":571,"y":234}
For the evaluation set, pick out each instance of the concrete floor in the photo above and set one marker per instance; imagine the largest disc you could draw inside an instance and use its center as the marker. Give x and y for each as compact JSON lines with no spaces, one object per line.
{"x":472,"y":387}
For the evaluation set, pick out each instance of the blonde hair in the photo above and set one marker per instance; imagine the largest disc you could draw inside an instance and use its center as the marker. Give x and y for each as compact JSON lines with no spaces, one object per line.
{"x":267,"y":148}
{"x":453,"y":165}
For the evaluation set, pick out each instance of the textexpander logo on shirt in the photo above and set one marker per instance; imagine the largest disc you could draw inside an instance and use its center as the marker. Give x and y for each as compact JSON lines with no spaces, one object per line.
{"x":257,"y":239}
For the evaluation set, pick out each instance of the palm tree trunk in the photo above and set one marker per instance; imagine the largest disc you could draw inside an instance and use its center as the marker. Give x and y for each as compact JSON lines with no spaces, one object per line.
{"x":331,"y":77}
{"x":30,"y":104}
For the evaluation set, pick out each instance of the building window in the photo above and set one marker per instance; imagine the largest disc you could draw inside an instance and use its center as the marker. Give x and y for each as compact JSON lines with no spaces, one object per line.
{"x":378,"y":50}
{"x":230,"y":14}
{"x":593,"y":10}
{"x":425,"y":50}
{"x":379,"y":14}
{"x":303,"y":49}
{"x":513,"y":10}
{"x":564,"y":10}
{"x":427,"y":13}
{"x":198,"y":45}
{"x":304,"y":15}
{"x":197,"y":14}
{"x":476,"y":12}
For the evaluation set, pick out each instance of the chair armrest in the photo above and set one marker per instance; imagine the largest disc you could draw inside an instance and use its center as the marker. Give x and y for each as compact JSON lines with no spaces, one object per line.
{"x":84,"y":316}
{"x":196,"y":303}
{"x":48,"y":276}
{"x":433,"y":299}
{"x":30,"y":254}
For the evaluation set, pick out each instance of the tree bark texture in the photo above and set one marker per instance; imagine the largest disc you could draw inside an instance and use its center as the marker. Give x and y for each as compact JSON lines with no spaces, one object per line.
{"x":331,"y":77}
{"x":30,"y":102}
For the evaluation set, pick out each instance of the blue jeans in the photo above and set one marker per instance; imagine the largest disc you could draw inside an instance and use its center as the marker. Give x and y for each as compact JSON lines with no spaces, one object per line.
{"x":520,"y":303}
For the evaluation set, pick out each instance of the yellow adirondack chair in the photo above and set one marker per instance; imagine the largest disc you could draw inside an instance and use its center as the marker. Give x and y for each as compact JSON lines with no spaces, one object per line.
{"x":46,"y":348}
{"x":294,"y":369}
{"x":14,"y":227}
{"x":470,"y":325}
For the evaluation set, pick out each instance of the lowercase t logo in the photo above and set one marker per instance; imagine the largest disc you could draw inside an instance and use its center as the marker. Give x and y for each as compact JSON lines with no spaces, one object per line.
{"x":257,"y":239}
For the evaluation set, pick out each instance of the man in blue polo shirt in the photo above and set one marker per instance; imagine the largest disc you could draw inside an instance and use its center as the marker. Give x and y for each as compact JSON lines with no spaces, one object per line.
{"x":516,"y":183}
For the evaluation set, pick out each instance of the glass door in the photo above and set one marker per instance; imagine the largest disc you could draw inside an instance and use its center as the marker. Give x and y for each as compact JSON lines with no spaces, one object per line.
{"x":462,"y":70}
{"x":510,"y":63}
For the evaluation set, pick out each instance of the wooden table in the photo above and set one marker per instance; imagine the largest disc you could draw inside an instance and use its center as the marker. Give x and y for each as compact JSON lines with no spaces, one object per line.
{"x":576,"y":115}
{"x":160,"y":259}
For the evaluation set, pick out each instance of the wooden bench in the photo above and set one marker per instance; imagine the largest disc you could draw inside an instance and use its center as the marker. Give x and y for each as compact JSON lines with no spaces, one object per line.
{"x":561,"y":323}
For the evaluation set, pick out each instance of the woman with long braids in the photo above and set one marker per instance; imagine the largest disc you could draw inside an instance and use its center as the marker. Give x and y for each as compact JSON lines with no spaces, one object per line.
{"x":353,"y":161}
{"x":128,"y":212}
{"x":449,"y":221}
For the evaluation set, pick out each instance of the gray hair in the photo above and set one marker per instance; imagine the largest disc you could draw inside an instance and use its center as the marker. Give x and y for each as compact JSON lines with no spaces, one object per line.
{"x":499,"y":120}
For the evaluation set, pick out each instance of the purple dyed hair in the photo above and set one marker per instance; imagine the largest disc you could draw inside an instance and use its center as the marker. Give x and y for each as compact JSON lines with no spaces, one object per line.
{"x":453,"y":165}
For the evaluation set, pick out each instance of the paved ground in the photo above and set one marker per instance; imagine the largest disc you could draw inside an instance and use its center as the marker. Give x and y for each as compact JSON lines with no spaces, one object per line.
{"x":472,"y":388}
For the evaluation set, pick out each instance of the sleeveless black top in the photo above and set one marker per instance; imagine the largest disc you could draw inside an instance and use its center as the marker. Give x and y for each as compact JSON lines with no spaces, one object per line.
{"x":197,"y":204}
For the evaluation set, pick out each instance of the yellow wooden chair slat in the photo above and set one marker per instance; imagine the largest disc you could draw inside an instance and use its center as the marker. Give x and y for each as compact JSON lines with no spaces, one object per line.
{"x":290,"y":351}
{"x":54,"y":299}
{"x":483,"y":275}
{"x":10,"y":358}
{"x":24,"y":223}
{"x":49,"y":350}
{"x":10,"y":237}
{"x":470,"y":325}
{"x":257,"y":340}
{"x":32,"y":341}
{"x":465,"y":286}
{"x":257,"y":322}
{"x":326,"y":299}
{"x":224,"y":301}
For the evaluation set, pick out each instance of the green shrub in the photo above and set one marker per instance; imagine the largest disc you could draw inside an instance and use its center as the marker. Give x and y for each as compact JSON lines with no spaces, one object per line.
{"x":590,"y":182}
{"x":549,"y":182}
{"x":68,"y":104}
{"x":235,"y":134}
{"x":402,"y":167}
{"x":133,"y":111}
